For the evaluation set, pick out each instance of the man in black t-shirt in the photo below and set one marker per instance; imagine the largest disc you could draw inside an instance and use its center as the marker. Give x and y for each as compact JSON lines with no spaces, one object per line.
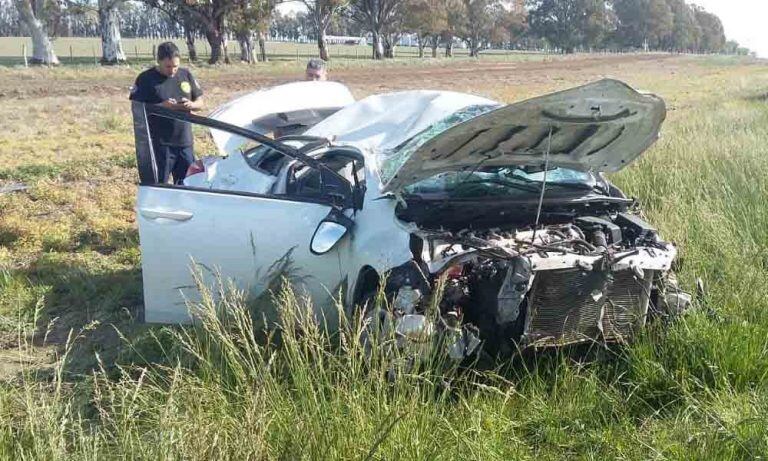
{"x":175,"y":88}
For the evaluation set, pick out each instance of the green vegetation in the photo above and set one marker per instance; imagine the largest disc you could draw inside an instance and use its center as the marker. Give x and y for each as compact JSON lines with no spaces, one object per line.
{"x":69,"y":258}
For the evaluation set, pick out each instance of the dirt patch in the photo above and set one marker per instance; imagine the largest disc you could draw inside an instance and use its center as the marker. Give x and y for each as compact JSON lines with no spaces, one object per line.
{"x":370,"y":78}
{"x":16,"y":359}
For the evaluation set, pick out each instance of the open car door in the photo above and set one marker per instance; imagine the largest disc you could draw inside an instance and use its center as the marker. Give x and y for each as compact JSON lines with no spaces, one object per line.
{"x":243,"y":237}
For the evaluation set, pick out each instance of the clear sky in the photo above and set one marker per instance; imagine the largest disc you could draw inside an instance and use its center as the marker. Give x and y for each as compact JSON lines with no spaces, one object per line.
{"x":745,"y":21}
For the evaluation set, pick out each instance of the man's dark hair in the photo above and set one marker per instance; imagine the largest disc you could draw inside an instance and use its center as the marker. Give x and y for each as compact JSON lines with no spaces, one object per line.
{"x":316,"y":64}
{"x":167,"y":50}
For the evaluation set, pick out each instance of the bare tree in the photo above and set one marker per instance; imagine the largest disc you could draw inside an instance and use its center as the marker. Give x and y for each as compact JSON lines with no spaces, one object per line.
{"x":322,"y":12}
{"x":190,"y":25}
{"x":394,"y":31}
{"x":379,"y":17}
{"x":210,"y":14}
{"x":32,"y":14}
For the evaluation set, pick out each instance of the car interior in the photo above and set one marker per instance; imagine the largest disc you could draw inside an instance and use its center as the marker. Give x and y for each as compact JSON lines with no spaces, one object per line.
{"x":303,"y":181}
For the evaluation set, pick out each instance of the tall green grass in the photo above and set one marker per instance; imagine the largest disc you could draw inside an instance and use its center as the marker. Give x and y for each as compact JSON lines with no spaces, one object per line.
{"x":696,"y":388}
{"x":214,"y":391}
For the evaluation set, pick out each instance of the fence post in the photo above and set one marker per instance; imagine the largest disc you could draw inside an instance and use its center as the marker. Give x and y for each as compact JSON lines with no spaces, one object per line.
{"x":154,"y":51}
{"x":136,"y":51}
{"x":24,"y":54}
{"x":93,"y":50}
{"x":71,"y":55}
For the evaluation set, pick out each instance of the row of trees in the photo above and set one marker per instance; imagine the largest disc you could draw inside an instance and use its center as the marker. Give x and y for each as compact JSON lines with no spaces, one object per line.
{"x":566,"y":25}
{"x":670,"y":25}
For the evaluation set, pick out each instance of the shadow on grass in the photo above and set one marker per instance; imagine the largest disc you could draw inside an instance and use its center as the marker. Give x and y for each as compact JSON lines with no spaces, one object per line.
{"x":757,"y":97}
{"x":86,"y":305}
{"x":89,"y":298}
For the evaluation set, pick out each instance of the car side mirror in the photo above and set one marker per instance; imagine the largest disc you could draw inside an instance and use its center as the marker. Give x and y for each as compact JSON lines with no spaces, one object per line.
{"x":329,"y":232}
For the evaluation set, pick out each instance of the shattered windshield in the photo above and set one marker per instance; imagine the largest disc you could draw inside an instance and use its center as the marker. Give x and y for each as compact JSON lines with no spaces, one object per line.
{"x":504,"y":181}
{"x":392,"y":159}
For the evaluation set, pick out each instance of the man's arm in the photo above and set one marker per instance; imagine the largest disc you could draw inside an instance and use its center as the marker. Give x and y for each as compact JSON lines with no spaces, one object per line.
{"x":139,"y":91}
{"x":195,"y":103}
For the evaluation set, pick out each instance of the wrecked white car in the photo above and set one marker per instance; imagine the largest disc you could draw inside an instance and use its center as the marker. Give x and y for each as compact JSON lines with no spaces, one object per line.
{"x":503,"y":207}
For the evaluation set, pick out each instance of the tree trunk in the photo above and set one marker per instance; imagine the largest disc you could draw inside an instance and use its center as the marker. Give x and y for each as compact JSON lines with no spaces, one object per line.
{"x":389,"y":48}
{"x":422,"y":45}
{"x":435,"y":44}
{"x":42,"y":49}
{"x":449,"y":48}
{"x":246,"y":47}
{"x":214,"y":40}
{"x":218,"y":42}
{"x":262,"y":47}
{"x":189,"y":36}
{"x":322,"y":46}
{"x":378,"y":46}
{"x":474,"y":48}
{"x":111,"y":42}
{"x":225,"y":48}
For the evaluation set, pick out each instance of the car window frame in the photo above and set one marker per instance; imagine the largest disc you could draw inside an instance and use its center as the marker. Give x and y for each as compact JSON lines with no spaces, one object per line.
{"x":141,"y":129}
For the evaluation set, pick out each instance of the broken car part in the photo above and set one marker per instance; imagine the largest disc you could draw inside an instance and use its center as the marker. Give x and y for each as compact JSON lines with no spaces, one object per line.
{"x":479,"y":221}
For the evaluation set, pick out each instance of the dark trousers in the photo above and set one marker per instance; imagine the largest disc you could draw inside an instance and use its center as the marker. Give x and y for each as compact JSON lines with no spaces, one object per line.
{"x":173,"y":161}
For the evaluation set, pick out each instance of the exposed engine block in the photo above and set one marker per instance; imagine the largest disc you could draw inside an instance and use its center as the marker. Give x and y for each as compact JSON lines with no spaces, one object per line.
{"x":590,"y":280}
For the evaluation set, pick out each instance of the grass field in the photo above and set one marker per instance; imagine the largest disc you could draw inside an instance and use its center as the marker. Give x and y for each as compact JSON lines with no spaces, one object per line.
{"x":69,"y":261}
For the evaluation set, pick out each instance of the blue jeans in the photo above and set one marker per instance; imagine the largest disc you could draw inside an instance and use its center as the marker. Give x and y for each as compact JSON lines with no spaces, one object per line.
{"x":173,"y":161}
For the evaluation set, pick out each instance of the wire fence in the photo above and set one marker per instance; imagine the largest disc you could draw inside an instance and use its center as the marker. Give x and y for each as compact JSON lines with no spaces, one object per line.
{"x":16,"y":51}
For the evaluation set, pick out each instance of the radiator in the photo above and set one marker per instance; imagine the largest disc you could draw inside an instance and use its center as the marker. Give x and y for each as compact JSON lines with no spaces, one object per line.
{"x":572,"y":306}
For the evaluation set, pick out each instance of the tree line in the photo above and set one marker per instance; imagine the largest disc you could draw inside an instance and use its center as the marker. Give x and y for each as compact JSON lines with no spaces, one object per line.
{"x":560,"y":25}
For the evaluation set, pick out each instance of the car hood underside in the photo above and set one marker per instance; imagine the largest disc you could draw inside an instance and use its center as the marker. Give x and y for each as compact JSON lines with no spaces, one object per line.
{"x":602,"y":126}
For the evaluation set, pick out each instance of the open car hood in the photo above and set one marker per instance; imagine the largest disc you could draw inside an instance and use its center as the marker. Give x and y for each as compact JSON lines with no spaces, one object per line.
{"x":283,"y":106}
{"x":601,"y":126}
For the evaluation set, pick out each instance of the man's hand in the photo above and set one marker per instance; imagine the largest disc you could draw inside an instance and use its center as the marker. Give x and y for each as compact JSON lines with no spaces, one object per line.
{"x":191,"y":105}
{"x":184,"y":105}
{"x":171,"y":104}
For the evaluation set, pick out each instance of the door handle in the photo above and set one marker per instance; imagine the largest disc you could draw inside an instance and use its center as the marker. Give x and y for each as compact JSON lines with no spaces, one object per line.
{"x":176,"y":215}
